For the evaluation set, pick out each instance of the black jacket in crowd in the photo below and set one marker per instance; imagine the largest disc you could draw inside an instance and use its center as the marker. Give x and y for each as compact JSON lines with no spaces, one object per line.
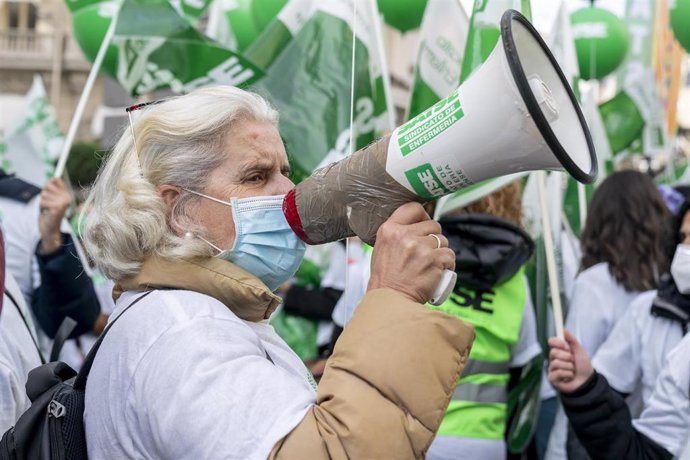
{"x":65,"y":289}
{"x":602,"y":422}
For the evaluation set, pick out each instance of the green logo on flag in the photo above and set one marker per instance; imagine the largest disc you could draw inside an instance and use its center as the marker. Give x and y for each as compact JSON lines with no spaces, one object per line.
{"x":425,"y":182}
{"x":429,"y":124}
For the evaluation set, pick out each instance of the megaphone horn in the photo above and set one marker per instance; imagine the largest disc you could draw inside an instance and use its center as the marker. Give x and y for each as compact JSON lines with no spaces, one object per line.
{"x":515,"y":113}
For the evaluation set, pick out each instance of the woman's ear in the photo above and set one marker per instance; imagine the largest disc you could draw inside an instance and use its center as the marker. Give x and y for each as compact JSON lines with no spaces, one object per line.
{"x":170,"y":194}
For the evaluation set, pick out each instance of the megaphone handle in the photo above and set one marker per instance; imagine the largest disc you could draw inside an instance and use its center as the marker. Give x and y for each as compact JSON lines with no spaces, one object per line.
{"x":444,"y":287}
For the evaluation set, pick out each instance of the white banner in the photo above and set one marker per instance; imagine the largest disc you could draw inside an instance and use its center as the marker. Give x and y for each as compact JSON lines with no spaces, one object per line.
{"x":33,"y":139}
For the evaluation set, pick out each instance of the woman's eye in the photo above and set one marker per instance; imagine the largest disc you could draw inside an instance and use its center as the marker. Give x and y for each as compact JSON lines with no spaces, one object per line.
{"x":254,"y":178}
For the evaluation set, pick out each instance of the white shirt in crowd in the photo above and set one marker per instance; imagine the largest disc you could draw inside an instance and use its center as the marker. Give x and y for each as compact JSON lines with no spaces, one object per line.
{"x":637,"y":348}
{"x":22,"y":236}
{"x":74,"y":351}
{"x":598,"y":301}
{"x":358,"y":271}
{"x":18,"y":355}
{"x":332,"y":264}
{"x":20,"y":225}
{"x":181,"y":376}
{"x":666,"y":418}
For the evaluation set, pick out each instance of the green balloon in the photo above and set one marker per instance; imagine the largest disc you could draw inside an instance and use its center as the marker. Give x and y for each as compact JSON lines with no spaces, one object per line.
{"x":601,"y":41}
{"x":622,"y":120}
{"x":242,"y":24}
{"x":89,"y":30}
{"x":403,"y":15}
{"x":265,"y":11}
{"x":680,"y":22}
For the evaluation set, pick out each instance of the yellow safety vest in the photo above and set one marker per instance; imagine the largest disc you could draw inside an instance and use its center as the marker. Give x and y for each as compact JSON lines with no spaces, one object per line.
{"x":478,"y":405}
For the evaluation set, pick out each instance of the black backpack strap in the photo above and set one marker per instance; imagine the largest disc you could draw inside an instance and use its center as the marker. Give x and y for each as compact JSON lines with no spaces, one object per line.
{"x":80,"y":381}
{"x":26,"y":323}
{"x":16,"y":189}
{"x":63,"y":333}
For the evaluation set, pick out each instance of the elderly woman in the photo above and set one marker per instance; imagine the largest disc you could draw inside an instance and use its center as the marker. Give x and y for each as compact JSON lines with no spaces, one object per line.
{"x":188,"y":206}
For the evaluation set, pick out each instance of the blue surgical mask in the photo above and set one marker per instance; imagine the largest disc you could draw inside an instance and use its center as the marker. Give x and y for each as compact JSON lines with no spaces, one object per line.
{"x":265,"y":245}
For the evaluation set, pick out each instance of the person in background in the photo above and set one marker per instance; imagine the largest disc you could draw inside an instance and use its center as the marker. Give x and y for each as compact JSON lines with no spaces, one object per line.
{"x":656,"y":321}
{"x":191,"y":213}
{"x":356,"y":271}
{"x":42,"y":257}
{"x":493,"y":295}
{"x":623,"y":254}
{"x":19,"y":352}
{"x":600,"y":416}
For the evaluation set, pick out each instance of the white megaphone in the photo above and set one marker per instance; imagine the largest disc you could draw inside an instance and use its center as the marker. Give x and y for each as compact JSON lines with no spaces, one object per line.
{"x":515,"y":113}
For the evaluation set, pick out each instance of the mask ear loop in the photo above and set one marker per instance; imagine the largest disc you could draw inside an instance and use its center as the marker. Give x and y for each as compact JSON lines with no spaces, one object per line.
{"x":193,"y":192}
{"x":193,"y":235}
{"x":220,"y":251}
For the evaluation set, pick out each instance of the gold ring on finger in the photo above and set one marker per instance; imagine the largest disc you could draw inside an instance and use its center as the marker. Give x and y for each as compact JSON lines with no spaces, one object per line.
{"x":438,"y":240}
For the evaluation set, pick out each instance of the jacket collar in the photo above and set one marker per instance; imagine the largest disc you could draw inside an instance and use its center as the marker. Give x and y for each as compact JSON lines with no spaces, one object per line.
{"x":670,"y":303}
{"x":243,"y":293}
{"x":488,"y":250}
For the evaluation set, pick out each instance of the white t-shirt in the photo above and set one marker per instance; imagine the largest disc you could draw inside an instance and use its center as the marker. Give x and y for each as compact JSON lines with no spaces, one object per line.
{"x":358,"y":272}
{"x":180,"y":376}
{"x":22,"y":235}
{"x":334,"y":278}
{"x":597,"y":303}
{"x":18,"y":355}
{"x":666,"y":419}
{"x":637,"y":348}
{"x":20,"y":224}
{"x":74,"y":351}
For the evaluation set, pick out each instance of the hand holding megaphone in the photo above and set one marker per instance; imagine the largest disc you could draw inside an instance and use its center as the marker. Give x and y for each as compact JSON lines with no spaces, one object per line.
{"x":411,"y":254}
{"x":515,"y":113}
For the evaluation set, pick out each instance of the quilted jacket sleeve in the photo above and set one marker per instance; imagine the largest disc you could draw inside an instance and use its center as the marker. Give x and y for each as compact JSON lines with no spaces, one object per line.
{"x":386,"y":386}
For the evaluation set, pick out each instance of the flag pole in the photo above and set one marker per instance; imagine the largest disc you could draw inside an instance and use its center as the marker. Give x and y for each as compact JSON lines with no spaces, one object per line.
{"x":79,"y":111}
{"x":376,"y":18}
{"x":582,"y":203}
{"x":550,"y":256}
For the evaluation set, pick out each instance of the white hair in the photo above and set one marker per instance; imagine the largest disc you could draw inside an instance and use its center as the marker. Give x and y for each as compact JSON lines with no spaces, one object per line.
{"x":179,"y":142}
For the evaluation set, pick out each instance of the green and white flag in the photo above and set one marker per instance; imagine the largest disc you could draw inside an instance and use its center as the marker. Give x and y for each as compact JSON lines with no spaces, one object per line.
{"x":482,"y":37}
{"x":485,"y":30}
{"x":636,"y":79}
{"x":157,"y":47}
{"x":384,"y":112}
{"x":192,"y":10}
{"x":562,"y":45}
{"x":290,"y":20}
{"x":598,"y":132}
{"x":561,"y":42}
{"x":34,"y":140}
{"x":441,"y":46}
{"x":281,"y":32}
{"x":232,"y":23}
{"x":307,"y":55}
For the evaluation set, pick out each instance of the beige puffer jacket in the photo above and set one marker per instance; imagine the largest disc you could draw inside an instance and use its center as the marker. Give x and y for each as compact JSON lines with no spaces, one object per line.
{"x":386,"y":386}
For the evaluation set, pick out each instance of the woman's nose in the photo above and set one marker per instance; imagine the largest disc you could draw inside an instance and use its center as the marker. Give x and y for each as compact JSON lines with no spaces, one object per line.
{"x":283,"y":185}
